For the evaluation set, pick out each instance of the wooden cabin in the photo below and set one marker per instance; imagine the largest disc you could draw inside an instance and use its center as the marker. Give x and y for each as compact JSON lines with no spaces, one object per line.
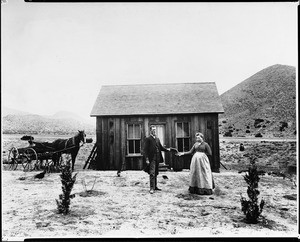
{"x":125,"y":112}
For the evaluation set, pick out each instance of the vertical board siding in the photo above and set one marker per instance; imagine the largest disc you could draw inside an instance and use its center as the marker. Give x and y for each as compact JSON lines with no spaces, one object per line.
{"x":168,"y":140}
{"x":146,"y":126}
{"x":99,"y":144}
{"x":209,"y":139}
{"x":111,"y":149}
{"x":195,"y":125}
{"x":105,"y":144}
{"x":103,"y":164}
{"x":123,"y":144}
{"x":198,"y":122}
{"x":202,"y":125}
{"x":217,"y":143}
{"x":171,"y":130}
{"x":117,"y":144}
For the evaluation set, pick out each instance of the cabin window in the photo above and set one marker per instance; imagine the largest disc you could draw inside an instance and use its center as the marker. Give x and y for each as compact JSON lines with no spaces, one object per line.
{"x":183,"y":136}
{"x":134,"y":139}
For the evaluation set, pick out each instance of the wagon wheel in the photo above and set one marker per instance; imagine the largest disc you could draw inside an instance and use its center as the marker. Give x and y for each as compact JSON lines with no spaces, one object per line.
{"x":29,"y":155}
{"x":13,"y":157}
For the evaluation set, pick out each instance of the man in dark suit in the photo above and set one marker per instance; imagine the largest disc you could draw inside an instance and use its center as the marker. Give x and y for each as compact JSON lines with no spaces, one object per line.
{"x":153,"y":156}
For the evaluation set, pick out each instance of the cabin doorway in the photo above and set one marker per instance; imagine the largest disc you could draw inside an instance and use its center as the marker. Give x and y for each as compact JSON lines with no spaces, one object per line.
{"x":161,"y":134}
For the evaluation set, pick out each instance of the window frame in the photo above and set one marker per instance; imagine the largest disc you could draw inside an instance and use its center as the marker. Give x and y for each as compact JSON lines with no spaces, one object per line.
{"x":183,"y":137}
{"x":133,"y":139}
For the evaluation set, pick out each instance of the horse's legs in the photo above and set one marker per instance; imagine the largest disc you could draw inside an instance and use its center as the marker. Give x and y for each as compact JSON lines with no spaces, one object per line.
{"x":74,"y":154}
{"x":73,"y":160}
{"x":55,"y":159}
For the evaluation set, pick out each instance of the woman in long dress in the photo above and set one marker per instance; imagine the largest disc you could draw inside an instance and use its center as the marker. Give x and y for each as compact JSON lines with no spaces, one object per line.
{"x":201,"y":179}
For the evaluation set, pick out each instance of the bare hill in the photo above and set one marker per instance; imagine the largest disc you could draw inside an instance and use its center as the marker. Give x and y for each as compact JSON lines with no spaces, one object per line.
{"x":36,"y":124}
{"x":6,"y":111}
{"x":264,"y":104}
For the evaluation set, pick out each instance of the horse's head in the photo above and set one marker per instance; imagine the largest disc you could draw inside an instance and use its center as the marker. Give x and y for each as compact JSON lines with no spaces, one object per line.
{"x":82,"y":135}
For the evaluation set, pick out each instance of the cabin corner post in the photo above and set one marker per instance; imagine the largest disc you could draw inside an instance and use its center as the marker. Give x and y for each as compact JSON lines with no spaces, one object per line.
{"x":99,"y":142}
{"x":105,"y":144}
{"x":212,"y":137}
{"x":217,"y":144}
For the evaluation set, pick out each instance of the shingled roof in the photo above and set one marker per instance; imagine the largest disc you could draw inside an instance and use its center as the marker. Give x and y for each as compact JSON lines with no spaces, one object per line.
{"x":153,"y":99}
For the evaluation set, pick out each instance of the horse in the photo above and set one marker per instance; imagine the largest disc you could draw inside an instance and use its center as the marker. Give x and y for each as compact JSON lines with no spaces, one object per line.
{"x":68,"y":146}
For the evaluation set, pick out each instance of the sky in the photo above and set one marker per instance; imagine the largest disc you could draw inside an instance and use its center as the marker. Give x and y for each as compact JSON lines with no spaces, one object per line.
{"x":56,"y":56}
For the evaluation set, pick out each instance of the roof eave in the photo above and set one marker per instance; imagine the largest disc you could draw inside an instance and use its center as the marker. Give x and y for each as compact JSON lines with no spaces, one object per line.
{"x":153,"y":114}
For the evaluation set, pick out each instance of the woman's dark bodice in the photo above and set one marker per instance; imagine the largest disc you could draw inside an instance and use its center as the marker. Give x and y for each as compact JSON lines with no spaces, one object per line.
{"x":203,"y":147}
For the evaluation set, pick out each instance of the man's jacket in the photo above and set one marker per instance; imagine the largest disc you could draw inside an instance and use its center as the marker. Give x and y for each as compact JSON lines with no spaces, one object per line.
{"x":150,"y":148}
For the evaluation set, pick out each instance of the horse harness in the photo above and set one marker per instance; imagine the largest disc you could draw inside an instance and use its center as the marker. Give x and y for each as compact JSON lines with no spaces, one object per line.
{"x":72,"y":144}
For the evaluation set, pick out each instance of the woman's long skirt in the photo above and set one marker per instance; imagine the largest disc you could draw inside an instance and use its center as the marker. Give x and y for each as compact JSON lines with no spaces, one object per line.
{"x":201,"y":180}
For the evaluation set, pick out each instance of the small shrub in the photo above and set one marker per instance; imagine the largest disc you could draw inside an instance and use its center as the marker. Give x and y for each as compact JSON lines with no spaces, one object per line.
{"x":283,"y":125}
{"x":257,"y":121}
{"x":259,"y":135}
{"x":227,"y":134}
{"x":63,"y":204}
{"x":250,"y":207}
{"x":247,"y":131}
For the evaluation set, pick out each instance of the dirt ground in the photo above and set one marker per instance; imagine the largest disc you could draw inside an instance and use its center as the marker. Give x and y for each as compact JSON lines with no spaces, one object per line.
{"x":122,"y":206}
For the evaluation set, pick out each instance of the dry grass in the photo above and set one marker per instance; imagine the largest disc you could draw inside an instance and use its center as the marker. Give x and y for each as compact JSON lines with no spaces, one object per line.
{"x":111,"y":206}
{"x":123,"y":204}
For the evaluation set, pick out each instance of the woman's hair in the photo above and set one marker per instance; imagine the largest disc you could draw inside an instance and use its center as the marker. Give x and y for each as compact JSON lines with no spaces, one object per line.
{"x":200,"y":134}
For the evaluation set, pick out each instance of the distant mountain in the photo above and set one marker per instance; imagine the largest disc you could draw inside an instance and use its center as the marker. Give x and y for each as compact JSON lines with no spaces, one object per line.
{"x":70,"y":115}
{"x":264,"y":104}
{"x":7,"y":111}
{"x":65,"y":114}
{"x":59,"y":123}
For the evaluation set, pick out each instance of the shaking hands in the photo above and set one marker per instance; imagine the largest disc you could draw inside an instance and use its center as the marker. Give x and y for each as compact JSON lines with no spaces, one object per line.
{"x":179,"y":154}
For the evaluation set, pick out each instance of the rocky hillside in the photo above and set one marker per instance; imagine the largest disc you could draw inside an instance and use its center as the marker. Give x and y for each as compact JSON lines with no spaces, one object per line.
{"x":263,"y":105}
{"x":36,"y":124}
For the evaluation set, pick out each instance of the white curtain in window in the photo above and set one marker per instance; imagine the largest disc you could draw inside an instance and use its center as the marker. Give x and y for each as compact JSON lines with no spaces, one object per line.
{"x":160,"y":133}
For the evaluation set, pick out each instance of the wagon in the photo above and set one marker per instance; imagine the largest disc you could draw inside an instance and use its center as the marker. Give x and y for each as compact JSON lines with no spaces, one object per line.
{"x":37,"y":156}
{"x":46,"y":155}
